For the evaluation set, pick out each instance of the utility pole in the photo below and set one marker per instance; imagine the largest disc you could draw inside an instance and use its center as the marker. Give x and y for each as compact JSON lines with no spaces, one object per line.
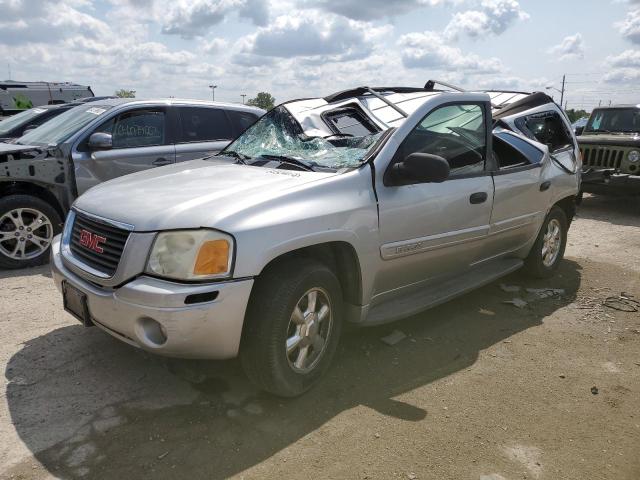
{"x":562,"y":92}
{"x":243,"y":95}
{"x":213,"y":92}
{"x":9,"y":68}
{"x":600,"y":103}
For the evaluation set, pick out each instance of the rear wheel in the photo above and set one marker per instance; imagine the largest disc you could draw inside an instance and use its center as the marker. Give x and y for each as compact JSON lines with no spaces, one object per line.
{"x":27,"y":227}
{"x":548,"y":251}
{"x":292,"y":328}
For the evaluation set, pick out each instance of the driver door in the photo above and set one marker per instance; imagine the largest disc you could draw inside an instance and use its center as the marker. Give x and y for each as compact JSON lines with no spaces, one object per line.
{"x":141,"y":140}
{"x":431,"y":231}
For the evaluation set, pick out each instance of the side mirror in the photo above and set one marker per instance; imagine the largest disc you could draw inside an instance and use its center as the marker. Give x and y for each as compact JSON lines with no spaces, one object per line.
{"x":421,"y":168}
{"x":578,"y":131}
{"x":100,"y":141}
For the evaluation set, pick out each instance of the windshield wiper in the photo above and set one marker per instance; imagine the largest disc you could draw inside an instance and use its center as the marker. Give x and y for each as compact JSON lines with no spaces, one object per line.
{"x":232,"y":153}
{"x":291,"y":161}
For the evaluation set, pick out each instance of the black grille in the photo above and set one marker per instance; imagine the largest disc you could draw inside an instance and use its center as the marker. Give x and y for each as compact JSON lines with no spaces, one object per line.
{"x":602,"y":157}
{"x":115,"y":239}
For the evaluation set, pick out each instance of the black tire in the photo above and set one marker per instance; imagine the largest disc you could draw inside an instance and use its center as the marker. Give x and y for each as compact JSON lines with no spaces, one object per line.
{"x":276,"y":293}
{"x":32,"y":256}
{"x":535,"y":264}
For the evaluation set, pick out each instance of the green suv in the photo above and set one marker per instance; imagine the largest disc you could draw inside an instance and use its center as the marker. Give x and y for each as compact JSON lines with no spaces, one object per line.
{"x":610,"y":148}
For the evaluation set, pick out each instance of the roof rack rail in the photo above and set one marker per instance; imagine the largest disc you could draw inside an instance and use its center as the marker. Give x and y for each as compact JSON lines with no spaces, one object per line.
{"x":429,"y":86}
{"x":359,"y":91}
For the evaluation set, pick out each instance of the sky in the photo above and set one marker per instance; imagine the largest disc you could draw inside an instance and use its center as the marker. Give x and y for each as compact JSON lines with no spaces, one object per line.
{"x":306,"y":48}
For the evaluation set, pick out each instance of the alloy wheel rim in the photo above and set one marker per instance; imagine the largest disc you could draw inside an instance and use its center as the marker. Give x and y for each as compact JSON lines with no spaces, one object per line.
{"x":551,"y":243}
{"x":25,"y":233}
{"x":309,"y":329}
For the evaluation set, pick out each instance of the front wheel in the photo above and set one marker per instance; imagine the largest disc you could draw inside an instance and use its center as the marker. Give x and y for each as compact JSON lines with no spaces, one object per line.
{"x":292,"y":328}
{"x":548,"y":250}
{"x":27,"y":227}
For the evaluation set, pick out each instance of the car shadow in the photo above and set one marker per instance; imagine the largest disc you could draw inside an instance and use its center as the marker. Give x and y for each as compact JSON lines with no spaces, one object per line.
{"x":88,"y":406}
{"x":43,"y":270}
{"x":619,"y":210}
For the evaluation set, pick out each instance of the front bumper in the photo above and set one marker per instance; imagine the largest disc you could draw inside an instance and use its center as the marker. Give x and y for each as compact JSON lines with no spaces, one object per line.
{"x":210,"y":329}
{"x":608,"y":181}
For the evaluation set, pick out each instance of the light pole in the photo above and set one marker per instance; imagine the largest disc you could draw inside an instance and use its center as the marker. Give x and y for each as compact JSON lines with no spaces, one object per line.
{"x":213,"y":92}
{"x":561,"y":92}
{"x":243,"y":95}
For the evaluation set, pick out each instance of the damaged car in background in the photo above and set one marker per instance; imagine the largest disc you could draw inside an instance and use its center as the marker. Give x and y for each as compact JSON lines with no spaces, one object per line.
{"x":365,"y":206}
{"x":42,"y":172}
{"x":610,"y":147}
{"x":21,"y":123}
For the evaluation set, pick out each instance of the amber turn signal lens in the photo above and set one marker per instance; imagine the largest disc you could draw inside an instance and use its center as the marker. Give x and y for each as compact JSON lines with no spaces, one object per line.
{"x":213,"y":258}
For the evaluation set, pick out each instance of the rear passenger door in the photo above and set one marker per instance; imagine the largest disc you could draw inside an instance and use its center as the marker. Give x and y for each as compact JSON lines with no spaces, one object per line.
{"x":521,"y":194}
{"x":201,"y":131}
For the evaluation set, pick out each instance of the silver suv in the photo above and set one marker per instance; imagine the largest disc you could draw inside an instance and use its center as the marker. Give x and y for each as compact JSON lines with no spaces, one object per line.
{"x":48,"y":167}
{"x":366,"y":206}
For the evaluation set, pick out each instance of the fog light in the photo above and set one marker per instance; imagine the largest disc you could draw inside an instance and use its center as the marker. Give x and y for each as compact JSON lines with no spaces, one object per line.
{"x":151,"y":332}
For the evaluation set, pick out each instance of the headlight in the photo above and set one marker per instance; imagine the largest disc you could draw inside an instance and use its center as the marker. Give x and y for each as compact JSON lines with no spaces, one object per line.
{"x":191,"y":255}
{"x":634,"y":156}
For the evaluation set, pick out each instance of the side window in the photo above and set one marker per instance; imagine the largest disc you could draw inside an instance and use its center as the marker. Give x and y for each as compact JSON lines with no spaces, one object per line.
{"x":241,"y":120}
{"x":547,"y":128}
{"x":511,"y":151}
{"x":455,"y":132}
{"x":200,"y":124}
{"x":137,"y":128}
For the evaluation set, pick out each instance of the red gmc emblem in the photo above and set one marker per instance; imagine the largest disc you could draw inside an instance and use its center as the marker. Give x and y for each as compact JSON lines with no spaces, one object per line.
{"x":92,"y":241}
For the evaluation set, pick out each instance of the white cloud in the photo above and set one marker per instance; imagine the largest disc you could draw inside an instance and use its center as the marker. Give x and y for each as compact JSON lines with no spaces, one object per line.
{"x":214,"y":46}
{"x":628,"y":58}
{"x":623,"y":76}
{"x":569,"y":48}
{"x":24,"y":21}
{"x":325,"y":37}
{"x":429,"y":50}
{"x":191,"y":18}
{"x":373,"y":9}
{"x":623,"y":68}
{"x":630,"y":27}
{"x":493,"y":17}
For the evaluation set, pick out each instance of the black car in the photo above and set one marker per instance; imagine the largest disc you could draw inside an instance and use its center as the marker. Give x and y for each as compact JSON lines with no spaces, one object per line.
{"x":17,"y":125}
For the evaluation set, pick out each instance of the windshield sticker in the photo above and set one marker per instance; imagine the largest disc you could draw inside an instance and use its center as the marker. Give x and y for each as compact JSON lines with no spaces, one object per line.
{"x":96,"y":110}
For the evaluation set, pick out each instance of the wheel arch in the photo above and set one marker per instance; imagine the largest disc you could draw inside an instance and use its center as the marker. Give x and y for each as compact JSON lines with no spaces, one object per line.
{"x":340,"y":256}
{"x":568,"y":206}
{"x":34,"y":190}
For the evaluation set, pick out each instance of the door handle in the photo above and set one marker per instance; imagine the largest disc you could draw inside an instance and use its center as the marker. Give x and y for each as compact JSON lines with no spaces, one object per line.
{"x":545,"y":186}
{"x":478,"y":197}
{"x":159,"y":162}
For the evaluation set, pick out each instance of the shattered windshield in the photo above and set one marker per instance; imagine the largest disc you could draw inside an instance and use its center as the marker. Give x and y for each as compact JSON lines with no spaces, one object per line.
{"x":277,"y":135}
{"x":614,"y":120}
{"x":60,"y":128}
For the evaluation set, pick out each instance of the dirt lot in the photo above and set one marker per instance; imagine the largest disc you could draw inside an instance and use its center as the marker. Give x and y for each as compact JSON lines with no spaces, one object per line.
{"x":479,"y":390}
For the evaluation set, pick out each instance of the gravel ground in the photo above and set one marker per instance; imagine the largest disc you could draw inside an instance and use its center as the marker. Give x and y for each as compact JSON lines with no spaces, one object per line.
{"x":479,"y":389}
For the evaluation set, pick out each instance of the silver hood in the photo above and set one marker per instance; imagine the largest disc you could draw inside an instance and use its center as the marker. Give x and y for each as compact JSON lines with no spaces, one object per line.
{"x":200,"y":193}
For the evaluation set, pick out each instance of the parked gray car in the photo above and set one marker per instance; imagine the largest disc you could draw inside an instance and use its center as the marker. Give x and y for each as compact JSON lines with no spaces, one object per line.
{"x":365,"y":206}
{"x":47,"y":168}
